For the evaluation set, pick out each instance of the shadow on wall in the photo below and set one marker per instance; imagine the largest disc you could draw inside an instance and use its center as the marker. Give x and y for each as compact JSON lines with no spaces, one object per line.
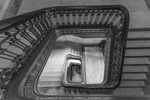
{"x":12,"y":9}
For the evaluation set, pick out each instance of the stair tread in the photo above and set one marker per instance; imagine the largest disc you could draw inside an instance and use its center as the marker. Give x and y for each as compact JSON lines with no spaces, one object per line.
{"x":138,"y":43}
{"x":135,"y":69}
{"x":49,"y":90}
{"x":138,"y":34}
{"x":137,"y":52}
{"x":143,"y":60}
{"x":50,"y":78}
{"x":60,"y":50}
{"x":132,"y":84}
{"x":134,"y":76}
{"x":70,"y":91}
{"x":52,"y":73}
{"x":49,"y":83}
{"x":128,"y":91}
{"x":46,"y":70}
{"x":55,"y":61}
{"x":54,"y":67}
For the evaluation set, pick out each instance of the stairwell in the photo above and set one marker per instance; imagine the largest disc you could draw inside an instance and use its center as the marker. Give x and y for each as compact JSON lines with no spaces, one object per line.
{"x":136,"y":70}
{"x":134,"y":77}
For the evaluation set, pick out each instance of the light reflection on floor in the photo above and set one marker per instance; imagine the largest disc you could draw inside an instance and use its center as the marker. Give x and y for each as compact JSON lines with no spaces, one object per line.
{"x":50,"y":78}
{"x":94,"y":64}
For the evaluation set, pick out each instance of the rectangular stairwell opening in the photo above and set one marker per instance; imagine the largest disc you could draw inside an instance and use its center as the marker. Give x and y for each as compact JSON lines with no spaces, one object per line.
{"x":76,"y":59}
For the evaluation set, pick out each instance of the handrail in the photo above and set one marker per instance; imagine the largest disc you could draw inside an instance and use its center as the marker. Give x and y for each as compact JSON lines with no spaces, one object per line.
{"x":26,"y":32}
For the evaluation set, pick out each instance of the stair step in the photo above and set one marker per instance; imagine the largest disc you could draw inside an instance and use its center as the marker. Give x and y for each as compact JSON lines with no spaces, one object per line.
{"x":43,"y":90}
{"x":87,"y":91}
{"x":60,"y":50}
{"x":134,"y":76}
{"x":143,"y":60}
{"x":137,"y":52}
{"x":53,"y":91}
{"x":62,"y":91}
{"x":49,"y":90}
{"x":49,"y":83}
{"x":131,"y":84}
{"x":52,"y":73}
{"x":75,"y":48}
{"x":73,"y":91}
{"x":138,"y":34}
{"x":138,"y":43}
{"x":77,"y":92}
{"x":53,"y":69}
{"x":137,"y":69}
{"x":68,"y":91}
{"x":128,"y":91}
{"x":50,"y":78}
{"x":54,"y":61}
{"x":98,"y":92}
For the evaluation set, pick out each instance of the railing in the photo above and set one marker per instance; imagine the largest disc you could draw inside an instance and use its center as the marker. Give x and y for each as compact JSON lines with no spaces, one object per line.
{"x":26,"y":32}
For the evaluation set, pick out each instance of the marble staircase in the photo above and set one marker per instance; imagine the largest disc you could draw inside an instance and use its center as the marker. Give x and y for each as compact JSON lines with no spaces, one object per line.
{"x":136,"y":69}
{"x":134,"y":77}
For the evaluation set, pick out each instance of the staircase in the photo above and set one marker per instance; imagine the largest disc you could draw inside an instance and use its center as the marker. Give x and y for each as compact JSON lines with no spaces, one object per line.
{"x":135,"y":80}
{"x":50,"y":79}
{"x":134,"y":77}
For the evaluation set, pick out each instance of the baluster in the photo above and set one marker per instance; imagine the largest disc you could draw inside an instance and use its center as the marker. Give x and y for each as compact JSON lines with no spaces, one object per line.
{"x":18,"y":43}
{"x":62,"y":19}
{"x":80,"y":18}
{"x":14,"y":42}
{"x":108,"y":18}
{"x":32,"y":30}
{"x":91,"y":18}
{"x":50,"y":20}
{"x":27,"y":36}
{"x":38,"y":26}
{"x":53,"y":19}
{"x":56,"y":19}
{"x":8,"y":54}
{"x":97,"y":18}
{"x":22,"y":44}
{"x":85,"y":18}
{"x":118,"y":24}
{"x":45,"y":22}
{"x":114,"y":19}
{"x":48,"y":23}
{"x":43,"y":27}
{"x":74,"y":20}
{"x":59,"y":20}
{"x":102,"y":19}
{"x":68,"y":18}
